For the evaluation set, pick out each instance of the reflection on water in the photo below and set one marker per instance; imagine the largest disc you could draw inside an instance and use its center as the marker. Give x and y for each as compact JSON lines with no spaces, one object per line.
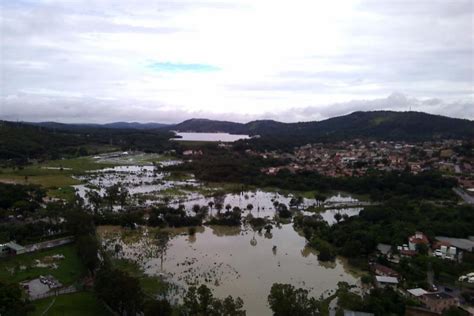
{"x":235,"y":261}
{"x":209,"y":137}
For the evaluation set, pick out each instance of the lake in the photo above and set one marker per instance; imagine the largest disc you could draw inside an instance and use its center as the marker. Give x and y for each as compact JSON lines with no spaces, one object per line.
{"x":210,"y":137}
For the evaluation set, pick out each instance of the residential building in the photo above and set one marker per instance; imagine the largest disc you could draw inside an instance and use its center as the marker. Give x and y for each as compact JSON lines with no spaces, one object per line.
{"x":438,"y":302}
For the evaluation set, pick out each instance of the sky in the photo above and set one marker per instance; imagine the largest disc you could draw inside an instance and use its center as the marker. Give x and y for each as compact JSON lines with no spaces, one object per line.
{"x":166,"y":61}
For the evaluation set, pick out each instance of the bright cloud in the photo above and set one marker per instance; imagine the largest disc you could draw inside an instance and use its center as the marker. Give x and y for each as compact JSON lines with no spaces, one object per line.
{"x":165,"y":61}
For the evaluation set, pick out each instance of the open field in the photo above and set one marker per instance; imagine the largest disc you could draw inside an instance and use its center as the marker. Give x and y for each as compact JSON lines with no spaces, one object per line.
{"x":21,"y":267}
{"x":81,"y":303}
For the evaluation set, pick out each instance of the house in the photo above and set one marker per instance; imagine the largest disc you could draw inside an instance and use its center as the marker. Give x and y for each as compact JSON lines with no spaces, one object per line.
{"x":416,"y":240}
{"x":382,"y":270}
{"x":444,"y":250}
{"x":386,"y":281}
{"x":438,"y":302}
{"x":460,"y":243}
{"x":10,"y":249}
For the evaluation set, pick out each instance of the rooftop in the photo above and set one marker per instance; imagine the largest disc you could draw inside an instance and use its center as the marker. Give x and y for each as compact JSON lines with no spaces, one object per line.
{"x":417,"y":292}
{"x":438,"y":296}
{"x":386,"y":279}
{"x":461,"y":243}
{"x":14,"y":246}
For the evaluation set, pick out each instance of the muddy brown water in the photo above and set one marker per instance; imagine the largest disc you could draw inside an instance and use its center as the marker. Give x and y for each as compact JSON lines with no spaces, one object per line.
{"x":237,"y":262}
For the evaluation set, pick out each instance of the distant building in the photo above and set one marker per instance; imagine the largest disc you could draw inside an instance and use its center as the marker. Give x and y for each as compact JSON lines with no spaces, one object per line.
{"x":382,"y":270}
{"x":417,"y":292}
{"x":11,"y":249}
{"x":445,"y":250}
{"x":460,"y":243}
{"x":386,"y":281}
{"x":418,"y":239}
{"x":438,"y":302}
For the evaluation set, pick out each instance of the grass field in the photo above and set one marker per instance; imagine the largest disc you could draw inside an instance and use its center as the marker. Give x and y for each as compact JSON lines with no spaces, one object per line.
{"x":76,"y":304}
{"x":69,"y":269}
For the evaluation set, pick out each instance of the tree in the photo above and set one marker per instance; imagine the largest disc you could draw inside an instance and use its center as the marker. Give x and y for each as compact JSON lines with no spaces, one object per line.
{"x":338,"y":217}
{"x":158,"y":308}
{"x":95,"y":200}
{"x":196,"y":208}
{"x":228,"y":207}
{"x":250,"y":206}
{"x":88,"y":248}
{"x":11,"y":302}
{"x":286,"y":300}
{"x":119,"y":290}
{"x":201,"y":302}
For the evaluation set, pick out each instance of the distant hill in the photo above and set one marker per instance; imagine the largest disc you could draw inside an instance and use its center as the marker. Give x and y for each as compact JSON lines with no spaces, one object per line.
{"x":209,"y":126}
{"x":115,"y":125}
{"x":21,"y":142}
{"x":374,"y":124}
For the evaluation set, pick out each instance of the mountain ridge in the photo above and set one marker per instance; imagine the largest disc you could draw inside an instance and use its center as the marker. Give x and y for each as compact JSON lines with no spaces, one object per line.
{"x":409,"y":125}
{"x":386,"y":124}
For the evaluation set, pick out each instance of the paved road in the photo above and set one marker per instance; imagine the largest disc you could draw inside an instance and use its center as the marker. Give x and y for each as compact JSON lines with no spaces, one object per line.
{"x":466,"y":197}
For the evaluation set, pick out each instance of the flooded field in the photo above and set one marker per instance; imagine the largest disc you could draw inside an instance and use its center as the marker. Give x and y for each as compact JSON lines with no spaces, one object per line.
{"x":235,"y":261}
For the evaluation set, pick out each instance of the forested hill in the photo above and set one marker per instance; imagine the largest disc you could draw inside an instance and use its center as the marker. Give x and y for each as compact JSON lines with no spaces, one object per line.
{"x":376,"y":124}
{"x":115,"y":125}
{"x":20,"y":143}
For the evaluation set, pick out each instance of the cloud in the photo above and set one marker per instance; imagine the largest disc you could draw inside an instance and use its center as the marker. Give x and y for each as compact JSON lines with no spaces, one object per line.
{"x":79,"y":109}
{"x":174,"y":67}
{"x":220,"y":58}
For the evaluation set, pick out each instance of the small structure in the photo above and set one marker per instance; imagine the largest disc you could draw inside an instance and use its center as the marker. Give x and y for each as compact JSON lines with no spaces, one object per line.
{"x":445,"y":250}
{"x":11,"y":249}
{"x":438,"y":302}
{"x":382,"y":270}
{"x":386,"y":281}
{"x":418,"y":239}
{"x":384,"y":249}
{"x":417,"y":292}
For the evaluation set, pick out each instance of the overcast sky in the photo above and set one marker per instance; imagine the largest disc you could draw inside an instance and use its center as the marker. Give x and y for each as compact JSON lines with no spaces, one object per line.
{"x":166,"y":61}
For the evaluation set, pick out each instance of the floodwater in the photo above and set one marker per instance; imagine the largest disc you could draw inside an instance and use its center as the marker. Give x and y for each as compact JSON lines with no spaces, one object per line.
{"x":235,"y":261}
{"x":210,"y":137}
